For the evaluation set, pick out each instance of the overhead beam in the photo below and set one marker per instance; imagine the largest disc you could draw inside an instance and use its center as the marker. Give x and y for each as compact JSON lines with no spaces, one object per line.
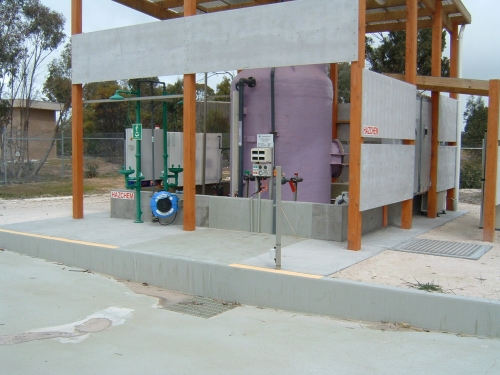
{"x":396,"y":26}
{"x":452,"y":85}
{"x":155,"y":10}
{"x":430,"y":5}
{"x":394,"y":16}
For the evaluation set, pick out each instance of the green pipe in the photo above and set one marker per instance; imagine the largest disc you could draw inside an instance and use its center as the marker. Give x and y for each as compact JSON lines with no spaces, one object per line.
{"x":138,"y":174}
{"x":165,"y":153}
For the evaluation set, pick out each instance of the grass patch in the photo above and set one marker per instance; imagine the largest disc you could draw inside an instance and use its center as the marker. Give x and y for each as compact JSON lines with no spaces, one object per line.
{"x":427,"y":287}
{"x":98,"y":185}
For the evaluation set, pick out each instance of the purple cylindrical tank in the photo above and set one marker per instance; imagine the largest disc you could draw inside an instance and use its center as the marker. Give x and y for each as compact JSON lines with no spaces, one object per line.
{"x":303,"y":113}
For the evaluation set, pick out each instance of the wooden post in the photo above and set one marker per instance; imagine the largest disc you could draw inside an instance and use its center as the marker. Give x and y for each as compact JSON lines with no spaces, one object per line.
{"x":77,"y":122}
{"x":451,"y":194}
{"x":410,"y":77}
{"x":435,"y":72}
{"x":490,"y":185}
{"x":354,"y":225}
{"x":189,"y":124}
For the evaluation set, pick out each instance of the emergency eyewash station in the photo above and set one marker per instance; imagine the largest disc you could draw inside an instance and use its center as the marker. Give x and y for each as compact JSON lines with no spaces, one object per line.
{"x":390,"y":145}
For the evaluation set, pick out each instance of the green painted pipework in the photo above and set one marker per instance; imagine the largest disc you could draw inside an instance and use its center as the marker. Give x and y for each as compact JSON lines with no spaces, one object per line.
{"x":138,"y":175}
{"x":164,"y":175}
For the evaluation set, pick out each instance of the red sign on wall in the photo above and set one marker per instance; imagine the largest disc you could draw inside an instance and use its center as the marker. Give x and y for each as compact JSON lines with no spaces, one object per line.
{"x":122,"y":194}
{"x":370,"y":130}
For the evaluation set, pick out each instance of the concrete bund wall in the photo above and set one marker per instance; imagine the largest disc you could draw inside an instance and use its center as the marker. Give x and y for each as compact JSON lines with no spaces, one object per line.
{"x":307,"y":220}
{"x":332,"y":297}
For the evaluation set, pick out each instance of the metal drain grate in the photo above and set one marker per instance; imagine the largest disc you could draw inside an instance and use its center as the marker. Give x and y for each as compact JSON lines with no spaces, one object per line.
{"x":444,"y":248}
{"x":202,"y":307}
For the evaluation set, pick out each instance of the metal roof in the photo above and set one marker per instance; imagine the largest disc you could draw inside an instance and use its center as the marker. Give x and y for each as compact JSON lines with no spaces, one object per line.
{"x":381,"y":15}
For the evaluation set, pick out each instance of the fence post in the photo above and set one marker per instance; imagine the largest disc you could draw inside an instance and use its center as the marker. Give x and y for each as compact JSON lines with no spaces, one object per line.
{"x":62,"y":154}
{"x":5,"y":159}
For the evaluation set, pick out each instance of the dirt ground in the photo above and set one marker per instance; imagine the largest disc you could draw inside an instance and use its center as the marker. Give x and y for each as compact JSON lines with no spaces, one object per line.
{"x":473,"y":278}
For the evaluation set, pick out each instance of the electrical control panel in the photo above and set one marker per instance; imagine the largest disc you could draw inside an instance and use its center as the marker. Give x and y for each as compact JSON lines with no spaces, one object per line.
{"x":262,"y":170}
{"x":262,"y":155}
{"x":262,"y":161}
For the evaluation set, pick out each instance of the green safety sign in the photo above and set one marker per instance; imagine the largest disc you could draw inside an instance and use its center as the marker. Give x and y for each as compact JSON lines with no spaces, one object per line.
{"x":137,"y":131}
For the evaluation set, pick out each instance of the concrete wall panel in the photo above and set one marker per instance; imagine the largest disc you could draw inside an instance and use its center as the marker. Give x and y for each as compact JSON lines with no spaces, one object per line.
{"x":386,"y":174}
{"x":448,"y":109}
{"x":446,"y":167}
{"x":388,"y":107}
{"x":256,"y":37}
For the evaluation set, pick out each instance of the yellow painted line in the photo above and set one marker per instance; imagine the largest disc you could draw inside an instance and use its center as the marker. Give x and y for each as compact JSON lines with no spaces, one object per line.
{"x":59,"y":239}
{"x":282,"y":272}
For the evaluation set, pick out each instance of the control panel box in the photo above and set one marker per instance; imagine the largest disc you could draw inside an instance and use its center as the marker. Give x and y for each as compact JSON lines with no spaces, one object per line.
{"x":262,"y":170}
{"x":262,"y":155}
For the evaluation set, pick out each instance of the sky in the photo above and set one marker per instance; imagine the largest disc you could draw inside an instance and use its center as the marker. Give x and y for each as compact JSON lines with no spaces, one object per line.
{"x":481,"y":40}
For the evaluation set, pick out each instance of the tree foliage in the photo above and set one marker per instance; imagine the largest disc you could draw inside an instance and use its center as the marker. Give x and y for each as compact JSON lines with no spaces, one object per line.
{"x":476,"y":123}
{"x":390,"y":55}
{"x":29,"y":33}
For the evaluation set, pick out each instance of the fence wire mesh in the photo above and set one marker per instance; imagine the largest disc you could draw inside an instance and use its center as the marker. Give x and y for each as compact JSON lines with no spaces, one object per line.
{"x":48,"y":159}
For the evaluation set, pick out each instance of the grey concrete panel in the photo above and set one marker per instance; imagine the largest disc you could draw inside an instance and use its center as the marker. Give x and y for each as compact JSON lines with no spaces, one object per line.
{"x":296,"y":219}
{"x":202,"y":211}
{"x":229,"y":213}
{"x":344,"y":112}
{"x":255,"y":37}
{"x":343,"y":133}
{"x":423,"y":145}
{"x":372,"y":219}
{"x":126,"y":208}
{"x":446,"y":167}
{"x":388,"y":107}
{"x":448,"y":109}
{"x":332,"y":297}
{"x":387,"y":173}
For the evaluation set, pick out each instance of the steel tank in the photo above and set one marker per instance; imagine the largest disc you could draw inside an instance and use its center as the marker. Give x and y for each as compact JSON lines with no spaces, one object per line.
{"x":303,"y":98}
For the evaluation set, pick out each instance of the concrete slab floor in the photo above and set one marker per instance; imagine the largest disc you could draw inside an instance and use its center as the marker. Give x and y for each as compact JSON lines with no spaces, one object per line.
{"x":99,"y":326}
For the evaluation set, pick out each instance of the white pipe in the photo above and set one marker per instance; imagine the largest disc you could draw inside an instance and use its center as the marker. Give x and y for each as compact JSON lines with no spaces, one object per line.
{"x":459,"y":122}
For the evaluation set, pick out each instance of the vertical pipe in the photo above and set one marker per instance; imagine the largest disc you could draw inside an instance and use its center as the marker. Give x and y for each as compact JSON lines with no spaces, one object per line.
{"x":77,"y":122}
{"x":204,"y":146}
{"x":278,"y":218}
{"x":272,"y":183}
{"x":138,"y":173}
{"x":490,"y":185}
{"x":459,"y":122}
{"x":189,"y":111}
{"x":241,"y":93}
{"x":354,"y":225}
{"x":165,"y":151}
{"x":452,"y":194}
{"x":436,"y":72}
{"x":410,"y":77}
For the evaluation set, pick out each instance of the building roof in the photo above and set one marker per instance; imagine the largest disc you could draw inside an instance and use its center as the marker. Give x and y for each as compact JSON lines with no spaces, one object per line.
{"x":37,"y":104}
{"x":381,"y":15}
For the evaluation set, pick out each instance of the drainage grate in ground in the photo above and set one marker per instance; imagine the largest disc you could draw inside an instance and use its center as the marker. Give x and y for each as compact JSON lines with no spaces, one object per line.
{"x":202,"y":307}
{"x":444,"y":248}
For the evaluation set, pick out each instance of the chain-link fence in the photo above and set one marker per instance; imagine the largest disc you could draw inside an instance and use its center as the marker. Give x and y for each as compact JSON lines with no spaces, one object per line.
{"x":48,"y":159}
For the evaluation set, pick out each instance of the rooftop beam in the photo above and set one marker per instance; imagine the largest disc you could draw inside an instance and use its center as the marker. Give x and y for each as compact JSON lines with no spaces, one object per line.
{"x":155,"y":10}
{"x":451,"y":85}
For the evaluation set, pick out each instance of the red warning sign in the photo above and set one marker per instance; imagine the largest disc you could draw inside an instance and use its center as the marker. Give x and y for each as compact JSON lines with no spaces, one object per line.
{"x":122,"y":194}
{"x":370,"y":130}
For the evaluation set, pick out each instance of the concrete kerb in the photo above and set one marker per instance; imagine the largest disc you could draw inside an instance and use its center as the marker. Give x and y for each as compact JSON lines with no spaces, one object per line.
{"x":326,"y":296}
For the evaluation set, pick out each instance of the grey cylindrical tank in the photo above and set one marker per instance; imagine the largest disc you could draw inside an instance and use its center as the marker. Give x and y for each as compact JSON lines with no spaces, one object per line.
{"x":303,"y":107}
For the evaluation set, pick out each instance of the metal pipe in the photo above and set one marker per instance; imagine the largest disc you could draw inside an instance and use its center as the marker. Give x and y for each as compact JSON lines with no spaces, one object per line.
{"x":204,"y":146}
{"x":278,"y":219}
{"x":241,"y":89}
{"x":272,"y":184}
{"x":459,"y":122}
{"x":138,"y":174}
{"x":165,"y":152}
